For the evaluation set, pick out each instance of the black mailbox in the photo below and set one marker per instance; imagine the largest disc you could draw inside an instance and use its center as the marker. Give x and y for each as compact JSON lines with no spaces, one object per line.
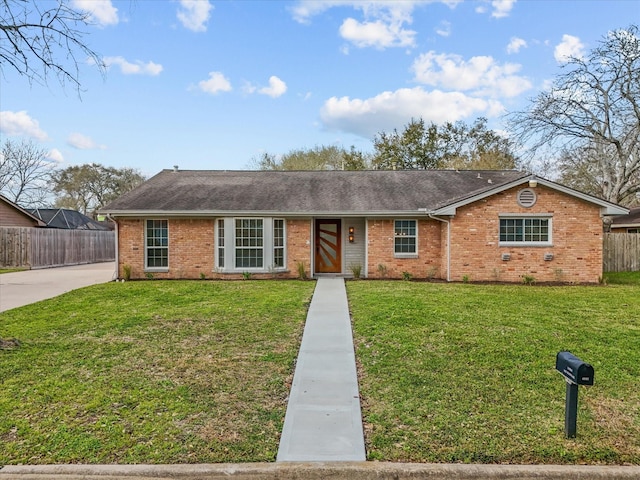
{"x":573,"y":369}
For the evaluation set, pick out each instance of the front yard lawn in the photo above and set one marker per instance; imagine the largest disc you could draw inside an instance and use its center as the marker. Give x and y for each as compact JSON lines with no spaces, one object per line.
{"x":150,"y":372}
{"x":466,"y":373}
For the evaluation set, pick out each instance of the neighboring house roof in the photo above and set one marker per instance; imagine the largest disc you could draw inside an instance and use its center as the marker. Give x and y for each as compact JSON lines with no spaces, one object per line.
{"x":370,"y":192}
{"x":632,"y":219}
{"x":12,"y":214}
{"x":67,"y":219}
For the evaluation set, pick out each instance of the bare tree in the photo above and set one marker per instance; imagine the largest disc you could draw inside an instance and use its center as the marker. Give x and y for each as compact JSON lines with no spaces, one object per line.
{"x":592,"y":116}
{"x":25,"y":173}
{"x":41,"y":37}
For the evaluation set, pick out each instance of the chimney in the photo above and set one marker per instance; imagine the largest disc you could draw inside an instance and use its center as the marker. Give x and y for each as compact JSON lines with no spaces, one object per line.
{"x":175,"y":168}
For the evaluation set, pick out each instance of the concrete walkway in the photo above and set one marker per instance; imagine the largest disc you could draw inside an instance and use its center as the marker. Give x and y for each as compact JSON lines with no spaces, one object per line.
{"x":323,"y":420}
{"x":30,"y":286}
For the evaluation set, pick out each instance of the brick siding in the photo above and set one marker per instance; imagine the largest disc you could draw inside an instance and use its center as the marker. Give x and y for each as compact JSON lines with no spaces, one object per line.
{"x":576,"y":237}
{"x":380,"y":247}
{"x":475,"y":251}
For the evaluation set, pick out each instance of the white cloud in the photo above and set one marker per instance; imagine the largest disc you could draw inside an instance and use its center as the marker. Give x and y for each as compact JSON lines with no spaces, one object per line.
{"x":444,"y":30}
{"x":216,"y":83}
{"x":101,"y":11}
{"x":502,"y":8}
{"x":480,"y":75}
{"x":383,"y":24}
{"x":275,"y":89}
{"x":378,"y":34}
{"x":515,"y":44}
{"x":82,"y":142}
{"x":138,"y":68}
{"x":570,"y":47}
{"x":389,"y":110}
{"x":21,"y":124}
{"x":55,"y":155}
{"x":194,"y":14}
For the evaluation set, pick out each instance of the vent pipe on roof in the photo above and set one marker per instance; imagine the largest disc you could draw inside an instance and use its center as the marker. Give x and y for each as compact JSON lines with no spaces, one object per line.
{"x":175,"y":168}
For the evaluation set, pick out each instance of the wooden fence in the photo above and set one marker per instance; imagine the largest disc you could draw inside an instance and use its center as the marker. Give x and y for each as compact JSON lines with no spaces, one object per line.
{"x":621,"y":252}
{"x":50,"y":247}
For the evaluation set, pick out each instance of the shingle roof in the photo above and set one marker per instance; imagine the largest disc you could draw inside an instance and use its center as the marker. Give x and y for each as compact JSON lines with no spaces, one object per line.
{"x":631,"y":219}
{"x":67,"y":219}
{"x":306,"y":192}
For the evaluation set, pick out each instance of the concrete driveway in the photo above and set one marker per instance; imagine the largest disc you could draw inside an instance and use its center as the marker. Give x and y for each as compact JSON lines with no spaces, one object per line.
{"x":21,"y":288}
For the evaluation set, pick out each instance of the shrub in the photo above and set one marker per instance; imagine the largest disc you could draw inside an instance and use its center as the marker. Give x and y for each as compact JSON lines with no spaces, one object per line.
{"x":356,"y":269}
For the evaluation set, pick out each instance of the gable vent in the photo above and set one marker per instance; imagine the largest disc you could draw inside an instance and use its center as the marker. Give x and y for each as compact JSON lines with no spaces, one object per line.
{"x":527,"y":198}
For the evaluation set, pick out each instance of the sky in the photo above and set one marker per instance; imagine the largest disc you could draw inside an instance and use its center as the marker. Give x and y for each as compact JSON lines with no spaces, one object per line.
{"x":207,"y":84}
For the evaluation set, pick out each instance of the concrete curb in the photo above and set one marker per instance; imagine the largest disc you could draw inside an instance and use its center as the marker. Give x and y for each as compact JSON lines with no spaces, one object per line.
{"x":317,"y":471}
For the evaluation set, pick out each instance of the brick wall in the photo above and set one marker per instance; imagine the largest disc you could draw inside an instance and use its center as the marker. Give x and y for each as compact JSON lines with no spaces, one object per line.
{"x":298,"y":246}
{"x":380,"y":247}
{"x":192,"y":249}
{"x":576,"y":236}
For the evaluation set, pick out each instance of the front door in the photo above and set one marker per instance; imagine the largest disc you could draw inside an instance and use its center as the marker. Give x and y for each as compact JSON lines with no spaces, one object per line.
{"x":328,"y":246}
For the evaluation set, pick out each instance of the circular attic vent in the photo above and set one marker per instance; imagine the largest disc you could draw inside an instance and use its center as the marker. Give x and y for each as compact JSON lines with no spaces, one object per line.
{"x":527,"y":198}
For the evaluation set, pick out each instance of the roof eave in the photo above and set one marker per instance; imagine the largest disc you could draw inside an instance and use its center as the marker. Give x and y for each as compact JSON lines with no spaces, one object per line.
{"x":254,"y":213}
{"x":606,"y":208}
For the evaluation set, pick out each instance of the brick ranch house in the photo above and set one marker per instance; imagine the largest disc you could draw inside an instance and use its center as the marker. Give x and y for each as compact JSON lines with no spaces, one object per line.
{"x":446,"y":224}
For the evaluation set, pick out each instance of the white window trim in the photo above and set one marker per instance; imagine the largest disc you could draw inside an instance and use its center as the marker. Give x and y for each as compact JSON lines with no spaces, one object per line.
{"x":515,"y":216}
{"x":407,"y":254}
{"x":267,"y":246}
{"x":147,"y":268}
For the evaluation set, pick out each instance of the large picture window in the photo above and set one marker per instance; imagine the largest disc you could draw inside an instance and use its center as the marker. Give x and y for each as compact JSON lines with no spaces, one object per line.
{"x":249,"y":243}
{"x":533,"y":230}
{"x":405,"y":237}
{"x":157,"y":244}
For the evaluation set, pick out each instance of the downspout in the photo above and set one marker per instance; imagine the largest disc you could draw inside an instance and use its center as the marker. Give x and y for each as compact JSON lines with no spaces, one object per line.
{"x":115,"y":274}
{"x":448,"y":243}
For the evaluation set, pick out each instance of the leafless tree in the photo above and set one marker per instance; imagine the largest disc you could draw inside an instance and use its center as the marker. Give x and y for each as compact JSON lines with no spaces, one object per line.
{"x":25,"y":174}
{"x":591,"y":116}
{"x":44,"y":37}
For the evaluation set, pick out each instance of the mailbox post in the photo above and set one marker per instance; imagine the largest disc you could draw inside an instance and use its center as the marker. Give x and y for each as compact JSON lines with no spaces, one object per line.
{"x":576,"y":372}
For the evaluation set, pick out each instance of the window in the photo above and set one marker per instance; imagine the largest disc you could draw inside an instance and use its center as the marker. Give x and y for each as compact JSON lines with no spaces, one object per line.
{"x":278,"y":243}
{"x":249,"y":243}
{"x":405,"y":237}
{"x":525,"y":230}
{"x":221,"y":243}
{"x":157,"y":244}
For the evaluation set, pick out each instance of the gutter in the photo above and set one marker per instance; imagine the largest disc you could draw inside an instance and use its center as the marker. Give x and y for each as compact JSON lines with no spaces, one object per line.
{"x":448,"y":242}
{"x":117,"y":271}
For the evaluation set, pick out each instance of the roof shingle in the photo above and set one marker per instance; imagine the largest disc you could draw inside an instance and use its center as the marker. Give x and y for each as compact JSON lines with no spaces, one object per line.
{"x":307,"y":192}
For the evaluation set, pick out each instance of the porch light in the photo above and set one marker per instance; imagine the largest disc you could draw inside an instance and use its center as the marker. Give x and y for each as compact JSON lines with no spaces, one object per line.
{"x":351,"y":234}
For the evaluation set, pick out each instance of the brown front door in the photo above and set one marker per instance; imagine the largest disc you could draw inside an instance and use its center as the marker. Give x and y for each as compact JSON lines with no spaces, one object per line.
{"x":328,"y":246}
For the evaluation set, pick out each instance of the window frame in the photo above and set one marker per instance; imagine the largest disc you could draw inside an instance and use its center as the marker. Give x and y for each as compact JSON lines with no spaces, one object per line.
{"x":147,"y":247}
{"x":226,"y":248}
{"x":258,"y":246}
{"x":526,"y":243}
{"x":396,"y":236}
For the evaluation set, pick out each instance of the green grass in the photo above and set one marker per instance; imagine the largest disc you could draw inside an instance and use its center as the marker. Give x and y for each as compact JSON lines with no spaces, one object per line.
{"x":622,"y":278}
{"x":11,"y":270}
{"x":466,"y":373}
{"x":150,"y":372}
